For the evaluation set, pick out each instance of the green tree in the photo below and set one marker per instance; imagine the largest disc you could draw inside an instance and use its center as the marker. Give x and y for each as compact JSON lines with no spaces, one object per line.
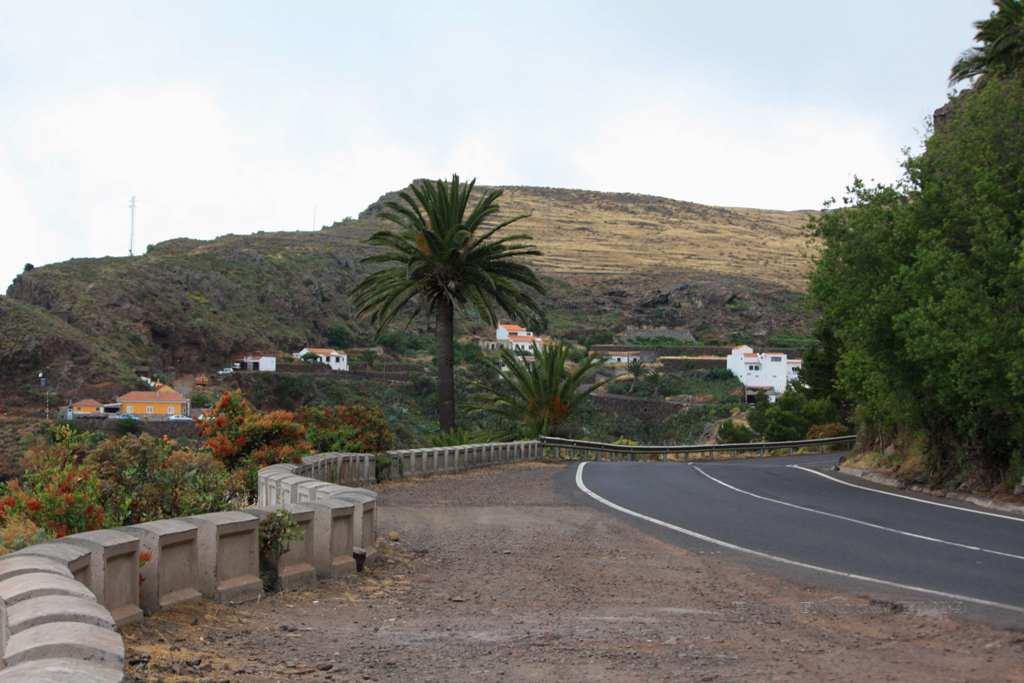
{"x":922,"y":284}
{"x":536,"y":396}
{"x":446,"y":256}
{"x":339,"y":336}
{"x":1001,"y":49}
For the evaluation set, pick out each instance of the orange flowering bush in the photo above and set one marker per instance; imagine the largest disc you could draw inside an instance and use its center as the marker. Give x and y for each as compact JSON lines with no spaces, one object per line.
{"x":60,"y":496}
{"x":244,"y":438}
{"x":353,"y":428}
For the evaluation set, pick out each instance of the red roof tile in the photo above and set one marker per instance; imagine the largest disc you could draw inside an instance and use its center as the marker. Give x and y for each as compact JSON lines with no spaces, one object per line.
{"x":164,"y":395}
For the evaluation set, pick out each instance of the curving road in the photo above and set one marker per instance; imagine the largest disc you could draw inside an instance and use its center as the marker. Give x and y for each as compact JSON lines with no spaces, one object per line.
{"x":794,"y":512}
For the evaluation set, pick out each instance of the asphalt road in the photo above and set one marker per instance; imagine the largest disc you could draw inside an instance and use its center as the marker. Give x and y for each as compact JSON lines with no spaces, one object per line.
{"x":772,"y":510}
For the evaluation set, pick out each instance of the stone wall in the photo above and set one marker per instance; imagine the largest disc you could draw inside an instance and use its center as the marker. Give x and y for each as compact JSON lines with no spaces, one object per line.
{"x":175,"y":429}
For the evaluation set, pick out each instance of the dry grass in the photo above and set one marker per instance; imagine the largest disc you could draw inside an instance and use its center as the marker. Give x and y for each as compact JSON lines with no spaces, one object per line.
{"x":583,"y":232}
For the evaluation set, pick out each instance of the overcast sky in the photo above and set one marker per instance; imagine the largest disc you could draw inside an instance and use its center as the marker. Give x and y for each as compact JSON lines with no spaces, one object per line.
{"x":241,"y":116}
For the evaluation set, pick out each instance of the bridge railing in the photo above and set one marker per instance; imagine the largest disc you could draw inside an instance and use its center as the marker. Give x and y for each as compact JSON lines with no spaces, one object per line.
{"x":561,"y":448}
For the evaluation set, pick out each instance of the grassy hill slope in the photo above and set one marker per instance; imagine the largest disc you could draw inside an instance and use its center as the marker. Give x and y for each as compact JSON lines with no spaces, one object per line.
{"x":611,"y":261}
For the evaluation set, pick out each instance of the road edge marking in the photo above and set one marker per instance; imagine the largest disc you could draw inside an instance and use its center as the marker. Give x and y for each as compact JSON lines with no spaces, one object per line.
{"x":854,"y":520}
{"x":936,"y":503}
{"x":783,"y":560}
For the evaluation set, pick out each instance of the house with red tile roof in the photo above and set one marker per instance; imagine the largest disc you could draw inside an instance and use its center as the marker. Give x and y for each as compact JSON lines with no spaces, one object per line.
{"x":517,"y":338}
{"x":762,"y":373}
{"x":163,"y":403}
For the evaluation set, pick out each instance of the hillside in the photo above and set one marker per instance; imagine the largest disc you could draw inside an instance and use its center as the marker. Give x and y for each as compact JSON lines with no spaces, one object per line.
{"x":611,"y":261}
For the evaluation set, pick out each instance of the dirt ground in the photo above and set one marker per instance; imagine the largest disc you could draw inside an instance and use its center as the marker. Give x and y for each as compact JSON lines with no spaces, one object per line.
{"x":503,"y":574}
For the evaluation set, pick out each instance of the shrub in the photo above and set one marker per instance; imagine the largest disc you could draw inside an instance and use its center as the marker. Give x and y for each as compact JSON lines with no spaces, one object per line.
{"x":241,"y":436}
{"x":277,"y":530}
{"x":732,"y":432}
{"x":354,"y":428}
{"x":145,"y":478}
{"x":60,"y":495}
{"x":20,"y":532}
{"x":201,"y":399}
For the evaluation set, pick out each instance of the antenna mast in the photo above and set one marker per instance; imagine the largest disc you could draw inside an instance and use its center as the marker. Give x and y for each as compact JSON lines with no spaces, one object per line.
{"x":131,"y":236}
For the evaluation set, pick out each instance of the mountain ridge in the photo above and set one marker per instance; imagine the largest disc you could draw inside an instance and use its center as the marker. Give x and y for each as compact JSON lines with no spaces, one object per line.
{"x":611,"y":260}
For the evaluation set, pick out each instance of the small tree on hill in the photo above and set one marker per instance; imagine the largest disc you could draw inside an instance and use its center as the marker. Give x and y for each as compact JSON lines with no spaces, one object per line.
{"x":635,"y":367}
{"x":536,"y":397}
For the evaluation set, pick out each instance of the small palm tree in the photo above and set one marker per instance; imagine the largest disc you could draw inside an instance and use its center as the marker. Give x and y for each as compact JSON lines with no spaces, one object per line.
{"x":537,"y":396}
{"x":655,"y":379}
{"x":1001,"y":49}
{"x":635,"y":367}
{"x":445,"y":255}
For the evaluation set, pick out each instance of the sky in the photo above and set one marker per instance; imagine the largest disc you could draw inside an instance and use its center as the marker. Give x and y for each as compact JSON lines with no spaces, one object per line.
{"x":234,"y":117}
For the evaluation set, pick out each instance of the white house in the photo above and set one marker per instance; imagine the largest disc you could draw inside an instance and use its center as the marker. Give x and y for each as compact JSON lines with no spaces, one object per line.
{"x":516,"y":338}
{"x":336,"y":360}
{"x":762,"y":373}
{"x":621,"y":357}
{"x":255,"y":362}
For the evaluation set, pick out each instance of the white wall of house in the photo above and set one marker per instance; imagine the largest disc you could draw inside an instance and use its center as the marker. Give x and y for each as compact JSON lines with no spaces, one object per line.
{"x":769,"y":372}
{"x":335,"y":360}
{"x":261,"y":363}
{"x":516,"y":338}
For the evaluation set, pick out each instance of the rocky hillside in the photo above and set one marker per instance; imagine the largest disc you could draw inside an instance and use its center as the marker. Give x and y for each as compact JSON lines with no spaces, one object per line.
{"x":611,"y":260}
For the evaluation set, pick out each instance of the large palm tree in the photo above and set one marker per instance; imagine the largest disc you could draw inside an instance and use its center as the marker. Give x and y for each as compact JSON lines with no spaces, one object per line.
{"x":1001,"y":49}
{"x":536,"y":395}
{"x":443,"y":256}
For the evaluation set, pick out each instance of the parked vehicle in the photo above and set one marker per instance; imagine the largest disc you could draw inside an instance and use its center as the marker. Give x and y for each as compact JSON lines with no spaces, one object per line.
{"x":180,"y":418}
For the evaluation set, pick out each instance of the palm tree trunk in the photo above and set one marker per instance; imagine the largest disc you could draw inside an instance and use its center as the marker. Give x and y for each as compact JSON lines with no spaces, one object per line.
{"x":446,"y":365}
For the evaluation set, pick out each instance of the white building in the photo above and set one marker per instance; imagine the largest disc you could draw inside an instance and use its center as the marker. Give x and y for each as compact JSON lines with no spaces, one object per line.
{"x":516,"y":338}
{"x":255,"y":362}
{"x":334,"y":359}
{"x":621,"y":357}
{"x":762,"y":373}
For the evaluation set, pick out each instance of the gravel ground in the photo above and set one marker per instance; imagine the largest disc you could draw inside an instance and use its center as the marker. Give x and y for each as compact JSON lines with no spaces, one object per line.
{"x":504,"y":574}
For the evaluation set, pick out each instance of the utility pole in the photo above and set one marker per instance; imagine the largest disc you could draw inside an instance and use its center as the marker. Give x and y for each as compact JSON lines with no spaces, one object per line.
{"x":131,"y":235}
{"x":44,"y":385}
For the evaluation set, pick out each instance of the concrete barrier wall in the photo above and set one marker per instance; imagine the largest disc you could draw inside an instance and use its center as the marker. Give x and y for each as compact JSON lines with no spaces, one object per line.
{"x":416,"y":462}
{"x":62,"y":601}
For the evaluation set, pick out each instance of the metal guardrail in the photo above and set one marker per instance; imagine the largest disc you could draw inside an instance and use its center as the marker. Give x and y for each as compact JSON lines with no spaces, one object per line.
{"x":758,"y":446}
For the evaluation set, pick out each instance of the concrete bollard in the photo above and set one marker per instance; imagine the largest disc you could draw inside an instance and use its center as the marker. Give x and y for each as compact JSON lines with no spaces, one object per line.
{"x":287,"y":487}
{"x":59,"y":670}
{"x":76,"y":558}
{"x":171,"y":574}
{"x":307,"y":491}
{"x":115,"y":571}
{"x":333,"y":536}
{"x":96,"y":644}
{"x":14,"y":565}
{"x":229,"y":555}
{"x":267,"y":484}
{"x":295,"y":567}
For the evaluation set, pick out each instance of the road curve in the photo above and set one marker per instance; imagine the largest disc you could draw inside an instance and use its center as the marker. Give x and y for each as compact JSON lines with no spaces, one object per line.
{"x":772,"y":510}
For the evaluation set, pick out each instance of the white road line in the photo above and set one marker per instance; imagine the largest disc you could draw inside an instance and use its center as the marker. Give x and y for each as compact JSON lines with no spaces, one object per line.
{"x":853,"y":520}
{"x":900,"y":495}
{"x":775,"y":558}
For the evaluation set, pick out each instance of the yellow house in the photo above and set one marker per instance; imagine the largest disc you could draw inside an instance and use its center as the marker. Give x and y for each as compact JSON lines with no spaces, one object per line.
{"x":86,"y":406}
{"x":164,"y":402}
